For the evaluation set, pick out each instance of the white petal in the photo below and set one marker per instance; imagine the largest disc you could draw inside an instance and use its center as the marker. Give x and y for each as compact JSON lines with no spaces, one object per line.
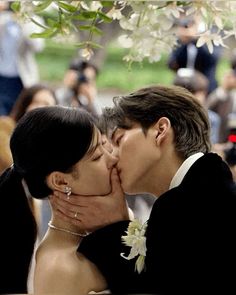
{"x":218,"y":22}
{"x":210,"y":46}
{"x":201,"y":41}
{"x":125,"y":41}
{"x":139,"y":265}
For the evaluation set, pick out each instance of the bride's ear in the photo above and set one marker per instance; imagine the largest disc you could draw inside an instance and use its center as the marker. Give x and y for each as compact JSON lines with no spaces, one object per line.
{"x":57,"y":181}
{"x":162,"y":127}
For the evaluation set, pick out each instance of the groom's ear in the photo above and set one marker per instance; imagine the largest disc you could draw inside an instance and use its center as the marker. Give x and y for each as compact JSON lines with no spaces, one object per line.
{"x":162,"y":128}
{"x":57,"y":181}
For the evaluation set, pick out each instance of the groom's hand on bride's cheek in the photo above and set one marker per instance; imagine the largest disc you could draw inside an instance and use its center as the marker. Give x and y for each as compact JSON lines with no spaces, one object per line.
{"x":92,"y":212}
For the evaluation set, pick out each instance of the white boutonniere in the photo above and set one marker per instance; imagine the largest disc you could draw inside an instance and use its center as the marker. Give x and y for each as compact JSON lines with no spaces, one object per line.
{"x":135,"y":238}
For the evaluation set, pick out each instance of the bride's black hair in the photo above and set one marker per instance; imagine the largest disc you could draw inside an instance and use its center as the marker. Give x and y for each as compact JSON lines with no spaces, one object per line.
{"x":45,"y":140}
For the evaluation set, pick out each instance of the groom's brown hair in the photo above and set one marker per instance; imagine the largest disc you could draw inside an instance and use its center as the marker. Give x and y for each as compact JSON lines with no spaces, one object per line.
{"x":146,"y":106}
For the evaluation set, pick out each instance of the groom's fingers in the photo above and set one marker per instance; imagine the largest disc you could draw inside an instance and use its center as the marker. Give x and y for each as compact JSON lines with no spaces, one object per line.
{"x":77,"y":200}
{"x":65,"y":208}
{"x":115,"y":182}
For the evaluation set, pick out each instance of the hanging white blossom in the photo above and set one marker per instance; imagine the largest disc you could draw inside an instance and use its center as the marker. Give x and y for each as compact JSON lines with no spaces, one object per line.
{"x":149,"y":29}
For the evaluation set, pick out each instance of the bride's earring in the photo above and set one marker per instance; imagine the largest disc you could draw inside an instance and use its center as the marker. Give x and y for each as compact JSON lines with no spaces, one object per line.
{"x":67,"y":190}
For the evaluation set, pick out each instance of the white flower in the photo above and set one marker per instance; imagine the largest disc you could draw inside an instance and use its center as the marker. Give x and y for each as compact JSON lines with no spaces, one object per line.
{"x":114,"y":13}
{"x":148,"y":26}
{"x":92,"y":5}
{"x":125,"y":41}
{"x":208,"y":38}
{"x":87,"y":53}
{"x":135,"y":238}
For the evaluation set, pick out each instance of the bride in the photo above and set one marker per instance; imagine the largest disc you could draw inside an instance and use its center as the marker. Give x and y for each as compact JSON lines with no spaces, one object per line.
{"x":60,"y":149}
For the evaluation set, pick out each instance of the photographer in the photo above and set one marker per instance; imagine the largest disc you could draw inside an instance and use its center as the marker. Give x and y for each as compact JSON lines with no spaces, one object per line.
{"x":223,"y":99}
{"x":197,"y":84}
{"x":188,"y":55}
{"x":230,"y":151}
{"x":79,"y":88}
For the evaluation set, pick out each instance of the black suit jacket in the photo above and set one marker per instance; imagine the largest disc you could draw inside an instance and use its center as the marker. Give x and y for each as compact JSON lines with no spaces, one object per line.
{"x":190,"y":239}
{"x":205,"y":62}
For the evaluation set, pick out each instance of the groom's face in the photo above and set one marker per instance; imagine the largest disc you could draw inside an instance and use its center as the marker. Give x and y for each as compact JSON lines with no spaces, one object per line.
{"x":137,"y":153}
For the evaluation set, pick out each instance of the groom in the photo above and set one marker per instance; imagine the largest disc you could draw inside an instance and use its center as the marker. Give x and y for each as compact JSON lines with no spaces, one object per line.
{"x":162,"y":139}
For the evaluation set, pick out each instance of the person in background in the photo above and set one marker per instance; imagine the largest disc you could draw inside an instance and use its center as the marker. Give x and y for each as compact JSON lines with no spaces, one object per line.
{"x":223,"y":99}
{"x":79,"y":87}
{"x":30,"y":98}
{"x":197,"y":84}
{"x":47,"y":162}
{"x":18,"y":67}
{"x":188,"y":55}
{"x":7,"y":125}
{"x":228,"y":149}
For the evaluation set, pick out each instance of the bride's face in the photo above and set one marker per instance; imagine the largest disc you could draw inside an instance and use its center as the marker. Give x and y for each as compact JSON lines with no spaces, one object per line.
{"x":92,"y":174}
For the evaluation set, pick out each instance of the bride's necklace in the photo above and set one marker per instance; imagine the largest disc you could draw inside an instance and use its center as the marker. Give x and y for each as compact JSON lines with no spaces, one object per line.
{"x":66,"y":230}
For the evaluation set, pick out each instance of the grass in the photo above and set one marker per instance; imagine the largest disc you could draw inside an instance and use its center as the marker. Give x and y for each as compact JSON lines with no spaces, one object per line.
{"x":115,"y":73}
{"x":53,"y":61}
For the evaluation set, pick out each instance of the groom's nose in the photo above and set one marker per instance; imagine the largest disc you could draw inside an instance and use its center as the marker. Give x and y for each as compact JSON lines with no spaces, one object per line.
{"x":112,"y":160}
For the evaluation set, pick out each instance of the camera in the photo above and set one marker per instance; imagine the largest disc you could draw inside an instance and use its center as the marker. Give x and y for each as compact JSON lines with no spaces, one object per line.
{"x":230,"y":154}
{"x":232,"y":128}
{"x":82,"y":78}
{"x":185,"y":22}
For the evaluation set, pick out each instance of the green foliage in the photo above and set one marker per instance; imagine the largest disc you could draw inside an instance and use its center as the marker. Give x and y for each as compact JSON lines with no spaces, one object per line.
{"x":115,"y":73}
{"x":15,"y":6}
{"x":42,"y":6}
{"x":54,"y":60}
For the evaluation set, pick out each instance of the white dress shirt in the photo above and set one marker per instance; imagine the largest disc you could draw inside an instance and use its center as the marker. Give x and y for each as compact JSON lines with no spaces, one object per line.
{"x":183,"y":169}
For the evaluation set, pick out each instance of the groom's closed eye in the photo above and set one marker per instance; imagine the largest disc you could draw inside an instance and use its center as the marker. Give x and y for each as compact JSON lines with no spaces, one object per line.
{"x":118,"y":139}
{"x":117,"y":136}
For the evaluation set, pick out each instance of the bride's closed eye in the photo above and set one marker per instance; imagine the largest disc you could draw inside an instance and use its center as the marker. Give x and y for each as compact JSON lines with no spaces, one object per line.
{"x":97,"y":157}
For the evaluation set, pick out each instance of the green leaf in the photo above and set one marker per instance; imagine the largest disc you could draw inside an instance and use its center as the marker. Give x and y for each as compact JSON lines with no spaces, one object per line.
{"x":104,"y":17}
{"x":42,"y":6}
{"x":89,"y":14}
{"x":96,"y":30}
{"x":107,"y":3}
{"x":95,"y":45}
{"x":85,"y":15}
{"x":52,"y":23}
{"x":85,"y":28}
{"x":79,"y":17}
{"x":88,"y":44}
{"x":45,"y":34}
{"x":15,"y":6}
{"x":81,"y":45}
{"x":91,"y":28}
{"x":67,"y":7}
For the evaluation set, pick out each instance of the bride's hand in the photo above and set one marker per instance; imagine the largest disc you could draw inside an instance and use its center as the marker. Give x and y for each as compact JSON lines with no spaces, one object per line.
{"x":92,"y":212}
